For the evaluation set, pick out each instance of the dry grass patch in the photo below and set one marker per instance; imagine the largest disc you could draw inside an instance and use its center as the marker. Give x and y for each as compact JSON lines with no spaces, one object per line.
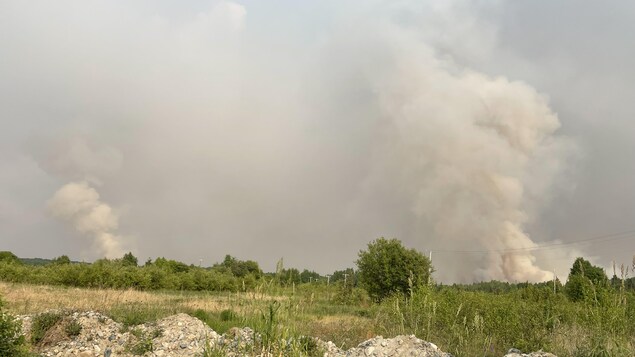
{"x":31,"y":299}
{"x":344,"y":330}
{"x":131,"y":307}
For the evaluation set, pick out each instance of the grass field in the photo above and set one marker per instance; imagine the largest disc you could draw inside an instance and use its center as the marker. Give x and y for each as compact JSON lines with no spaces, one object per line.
{"x":460,"y":322}
{"x":303,"y":313}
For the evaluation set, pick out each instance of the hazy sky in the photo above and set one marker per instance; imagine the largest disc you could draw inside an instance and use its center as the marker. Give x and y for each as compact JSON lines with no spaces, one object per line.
{"x":305,"y":130}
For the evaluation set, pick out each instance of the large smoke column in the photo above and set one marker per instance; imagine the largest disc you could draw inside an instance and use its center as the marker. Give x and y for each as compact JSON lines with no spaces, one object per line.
{"x":79,"y":204}
{"x":476,"y":155}
{"x":264,"y":141}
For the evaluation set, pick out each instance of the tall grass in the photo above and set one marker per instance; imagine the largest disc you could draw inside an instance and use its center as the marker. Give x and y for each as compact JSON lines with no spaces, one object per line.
{"x":467,"y":323}
{"x":464,"y":323}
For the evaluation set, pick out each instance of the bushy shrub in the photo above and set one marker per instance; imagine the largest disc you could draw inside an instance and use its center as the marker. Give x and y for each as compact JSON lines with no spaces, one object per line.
{"x":387,"y":267}
{"x":586,"y":282}
{"x":8,"y":257}
{"x":227,"y":315}
{"x":42,"y":323}
{"x":141,"y":345}
{"x":11,"y":338}
{"x":347,"y":294}
{"x":73,"y":328}
{"x":163,"y":274}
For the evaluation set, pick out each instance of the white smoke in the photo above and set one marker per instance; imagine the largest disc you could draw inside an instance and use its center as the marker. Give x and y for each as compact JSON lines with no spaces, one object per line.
{"x":266,"y":141}
{"x":79,"y":204}
{"x":73,"y":158}
{"x":476,"y":155}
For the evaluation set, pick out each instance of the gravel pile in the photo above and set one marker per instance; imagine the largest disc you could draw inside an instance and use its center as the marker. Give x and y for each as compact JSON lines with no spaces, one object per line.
{"x":177,"y":335}
{"x":384,"y":347}
{"x":516,"y":353}
{"x":183,"y":335}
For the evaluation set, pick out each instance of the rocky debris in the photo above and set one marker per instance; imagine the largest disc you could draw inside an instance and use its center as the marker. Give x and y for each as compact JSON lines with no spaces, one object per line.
{"x":380,"y":347}
{"x":517,"y":353}
{"x":237,"y":341}
{"x":177,"y":335}
{"x":99,"y":336}
{"x":183,"y":335}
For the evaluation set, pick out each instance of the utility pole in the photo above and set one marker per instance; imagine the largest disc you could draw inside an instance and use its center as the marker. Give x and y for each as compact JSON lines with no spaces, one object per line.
{"x":345,"y":275}
{"x":554,"y":281}
{"x":328,"y":280}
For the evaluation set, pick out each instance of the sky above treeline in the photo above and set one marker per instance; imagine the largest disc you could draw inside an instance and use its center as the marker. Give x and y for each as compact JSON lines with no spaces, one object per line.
{"x":480,"y":130}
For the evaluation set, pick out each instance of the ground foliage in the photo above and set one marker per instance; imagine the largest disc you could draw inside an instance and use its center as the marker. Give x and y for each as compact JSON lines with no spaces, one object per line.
{"x":590,"y":315}
{"x":386,"y":267}
{"x":11,"y":339}
{"x":160,"y":274}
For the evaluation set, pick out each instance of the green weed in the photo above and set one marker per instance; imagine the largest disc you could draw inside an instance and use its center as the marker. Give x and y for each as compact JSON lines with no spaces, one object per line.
{"x":42,"y":323}
{"x":73,"y":328}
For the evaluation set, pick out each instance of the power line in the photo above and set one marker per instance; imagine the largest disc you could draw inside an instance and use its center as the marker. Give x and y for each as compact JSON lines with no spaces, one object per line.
{"x":602,"y":238}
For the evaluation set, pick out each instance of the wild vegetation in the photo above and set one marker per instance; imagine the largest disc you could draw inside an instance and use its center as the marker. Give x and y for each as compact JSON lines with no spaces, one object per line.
{"x":590,"y":315}
{"x":11,"y":339}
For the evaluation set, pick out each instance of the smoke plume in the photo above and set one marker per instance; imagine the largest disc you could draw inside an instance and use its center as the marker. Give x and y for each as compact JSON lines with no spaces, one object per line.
{"x":79,"y":204}
{"x":473,"y":155}
{"x":236,"y":129}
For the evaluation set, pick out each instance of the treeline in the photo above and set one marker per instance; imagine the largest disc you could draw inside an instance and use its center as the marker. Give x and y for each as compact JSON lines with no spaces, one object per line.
{"x":294,"y":276}
{"x":584,"y":281}
{"x":160,"y":274}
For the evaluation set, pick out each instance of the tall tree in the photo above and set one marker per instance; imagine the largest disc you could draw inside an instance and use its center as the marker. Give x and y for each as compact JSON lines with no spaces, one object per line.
{"x":584,"y":280}
{"x":387,"y":267}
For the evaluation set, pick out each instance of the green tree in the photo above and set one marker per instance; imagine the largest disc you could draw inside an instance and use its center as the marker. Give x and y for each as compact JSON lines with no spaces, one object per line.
{"x":309,"y":276}
{"x":387,"y":267}
{"x":347,"y":275}
{"x":585,"y":268}
{"x":241,"y":268}
{"x":8,"y":257}
{"x":129,"y":260}
{"x":290,"y":275}
{"x":61,"y":260}
{"x":585,"y":280}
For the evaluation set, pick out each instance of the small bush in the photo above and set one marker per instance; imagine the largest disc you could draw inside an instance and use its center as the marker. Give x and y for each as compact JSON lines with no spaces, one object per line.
{"x":227,"y":315}
{"x":200,"y":314}
{"x":42,"y":323}
{"x":156,"y":333}
{"x":309,"y":346}
{"x":136,"y":332}
{"x":141,"y":347}
{"x":349,"y":295}
{"x":11,"y":339}
{"x":143,"y":341}
{"x":73,"y":328}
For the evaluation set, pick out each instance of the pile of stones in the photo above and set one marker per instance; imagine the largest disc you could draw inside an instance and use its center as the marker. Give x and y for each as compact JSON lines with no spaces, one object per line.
{"x":184,"y":335}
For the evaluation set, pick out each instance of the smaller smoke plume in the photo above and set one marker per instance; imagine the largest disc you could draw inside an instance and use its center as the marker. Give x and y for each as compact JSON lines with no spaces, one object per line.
{"x":76,"y":158}
{"x":79,"y":204}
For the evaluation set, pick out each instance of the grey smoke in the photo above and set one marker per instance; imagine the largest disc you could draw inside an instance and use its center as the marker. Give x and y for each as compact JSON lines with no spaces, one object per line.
{"x":80,"y":204}
{"x":215,"y":130}
{"x":472,"y":155}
